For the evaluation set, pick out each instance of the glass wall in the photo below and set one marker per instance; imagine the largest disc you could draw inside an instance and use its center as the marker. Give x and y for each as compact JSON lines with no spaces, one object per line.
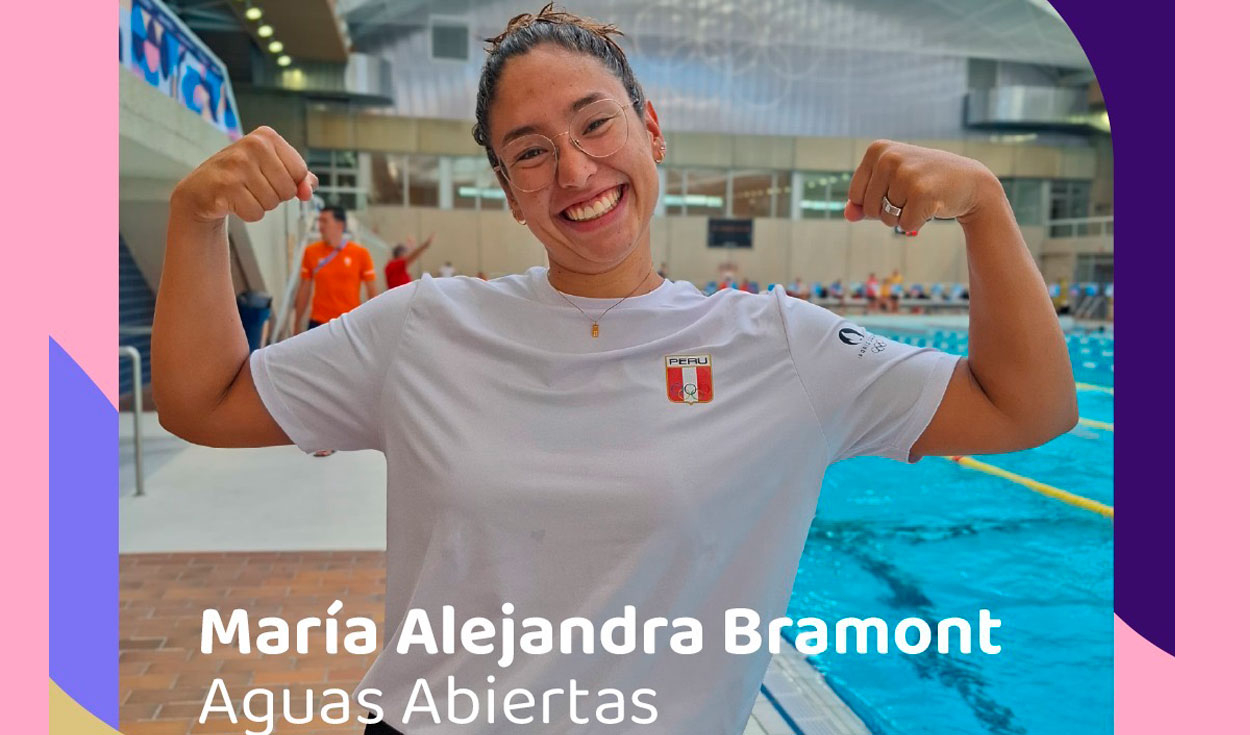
{"x":1069,"y":199}
{"x":422,"y":181}
{"x":696,"y":191}
{"x":824,"y":194}
{"x":386,"y":184}
{"x":339,"y":174}
{"x":1027,"y":198}
{"x":351,"y":179}
{"x":755,"y":194}
{"x":474,"y":185}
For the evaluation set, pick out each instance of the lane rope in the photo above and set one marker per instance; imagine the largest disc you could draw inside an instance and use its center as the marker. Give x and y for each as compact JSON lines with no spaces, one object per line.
{"x":1037,"y":487}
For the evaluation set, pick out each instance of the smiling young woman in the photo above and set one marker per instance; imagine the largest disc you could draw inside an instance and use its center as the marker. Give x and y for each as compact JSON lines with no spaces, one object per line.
{"x":589,"y":435}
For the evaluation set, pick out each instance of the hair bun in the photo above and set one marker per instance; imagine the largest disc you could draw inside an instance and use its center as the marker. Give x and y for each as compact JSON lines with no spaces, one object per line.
{"x":549,"y":14}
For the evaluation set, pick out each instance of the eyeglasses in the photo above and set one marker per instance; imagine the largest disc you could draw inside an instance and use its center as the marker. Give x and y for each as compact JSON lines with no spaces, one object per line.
{"x":598,"y":130}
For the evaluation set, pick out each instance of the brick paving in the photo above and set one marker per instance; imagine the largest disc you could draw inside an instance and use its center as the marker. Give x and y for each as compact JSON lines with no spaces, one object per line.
{"x":165,"y":680}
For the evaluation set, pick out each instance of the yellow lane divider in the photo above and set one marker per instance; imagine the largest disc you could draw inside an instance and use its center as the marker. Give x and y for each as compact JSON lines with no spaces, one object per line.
{"x":1097,"y":388}
{"x":1035,"y":486}
{"x":1096,"y":424}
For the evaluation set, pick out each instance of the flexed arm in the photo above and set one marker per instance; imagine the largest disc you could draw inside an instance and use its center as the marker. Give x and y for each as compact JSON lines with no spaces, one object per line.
{"x":200,"y":377}
{"x":1015,"y":389}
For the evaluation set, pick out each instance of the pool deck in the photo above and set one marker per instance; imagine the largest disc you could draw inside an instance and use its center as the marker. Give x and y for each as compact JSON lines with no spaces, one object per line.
{"x":325,"y":517}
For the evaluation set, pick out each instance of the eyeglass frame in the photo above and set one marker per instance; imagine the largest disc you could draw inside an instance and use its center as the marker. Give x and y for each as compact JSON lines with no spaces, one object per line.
{"x":555,"y":150}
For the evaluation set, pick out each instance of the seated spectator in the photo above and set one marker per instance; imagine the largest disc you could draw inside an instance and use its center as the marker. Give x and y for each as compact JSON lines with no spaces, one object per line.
{"x":892,"y":292}
{"x":798,"y":289}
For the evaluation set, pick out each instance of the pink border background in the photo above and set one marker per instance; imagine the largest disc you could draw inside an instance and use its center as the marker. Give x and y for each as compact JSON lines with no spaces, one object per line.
{"x":62,"y":155}
{"x":1204,"y":688}
{"x":60,"y":134}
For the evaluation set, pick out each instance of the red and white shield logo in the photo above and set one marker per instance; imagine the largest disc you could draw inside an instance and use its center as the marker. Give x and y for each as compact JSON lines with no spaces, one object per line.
{"x":689,"y":378}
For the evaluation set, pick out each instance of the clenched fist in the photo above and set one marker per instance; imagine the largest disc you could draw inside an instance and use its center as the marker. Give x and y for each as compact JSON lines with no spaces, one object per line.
{"x":249,"y":177}
{"x":922,"y":182}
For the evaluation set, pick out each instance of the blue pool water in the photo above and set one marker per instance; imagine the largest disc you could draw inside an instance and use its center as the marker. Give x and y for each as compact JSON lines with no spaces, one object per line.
{"x":936,"y":540}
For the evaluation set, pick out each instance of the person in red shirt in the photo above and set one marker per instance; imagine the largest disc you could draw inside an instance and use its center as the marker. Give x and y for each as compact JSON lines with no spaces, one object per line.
{"x":401,"y":257}
{"x":332,"y":273}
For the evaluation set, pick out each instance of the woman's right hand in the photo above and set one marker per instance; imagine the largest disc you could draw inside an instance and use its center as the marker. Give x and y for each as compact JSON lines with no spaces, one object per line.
{"x":247,"y":178}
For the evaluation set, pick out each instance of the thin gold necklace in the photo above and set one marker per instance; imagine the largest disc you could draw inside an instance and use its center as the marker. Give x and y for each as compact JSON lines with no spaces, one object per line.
{"x":594,"y":323}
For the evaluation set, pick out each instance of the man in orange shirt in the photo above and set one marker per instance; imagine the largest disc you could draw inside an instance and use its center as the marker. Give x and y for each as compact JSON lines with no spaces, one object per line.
{"x":333,"y":270}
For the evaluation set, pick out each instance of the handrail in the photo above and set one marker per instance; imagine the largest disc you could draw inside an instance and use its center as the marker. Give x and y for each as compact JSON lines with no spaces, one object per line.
{"x":1081,"y":220}
{"x":136,"y":361}
{"x":1095,"y":226}
{"x":282,"y":327}
{"x":282,"y":317}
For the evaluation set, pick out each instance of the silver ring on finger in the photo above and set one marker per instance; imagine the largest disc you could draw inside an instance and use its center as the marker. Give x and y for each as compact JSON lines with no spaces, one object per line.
{"x":890,"y":208}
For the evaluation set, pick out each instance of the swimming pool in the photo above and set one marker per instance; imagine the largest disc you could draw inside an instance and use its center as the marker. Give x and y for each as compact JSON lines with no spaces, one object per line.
{"x":936,"y":540}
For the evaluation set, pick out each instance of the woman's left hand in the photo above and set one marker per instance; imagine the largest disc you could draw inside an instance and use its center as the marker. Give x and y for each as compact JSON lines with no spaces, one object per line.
{"x":923,"y":182}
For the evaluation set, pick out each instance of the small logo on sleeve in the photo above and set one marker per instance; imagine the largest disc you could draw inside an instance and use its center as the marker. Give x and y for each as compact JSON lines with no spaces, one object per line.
{"x":688,"y":378}
{"x":864,"y":339}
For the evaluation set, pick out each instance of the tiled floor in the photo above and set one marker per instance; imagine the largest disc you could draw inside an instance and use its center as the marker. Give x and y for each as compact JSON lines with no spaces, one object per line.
{"x":165,"y":680}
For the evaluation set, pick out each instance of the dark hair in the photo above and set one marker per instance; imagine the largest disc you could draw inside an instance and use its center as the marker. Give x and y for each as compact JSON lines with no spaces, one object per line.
{"x":566,"y":30}
{"x":397,"y":251}
{"x":339,"y":213}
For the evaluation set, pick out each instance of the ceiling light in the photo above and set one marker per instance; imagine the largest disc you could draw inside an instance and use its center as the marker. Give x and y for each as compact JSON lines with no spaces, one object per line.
{"x":253,"y":13}
{"x":284,"y":60}
{"x":275,"y":47}
{"x":265,"y":31}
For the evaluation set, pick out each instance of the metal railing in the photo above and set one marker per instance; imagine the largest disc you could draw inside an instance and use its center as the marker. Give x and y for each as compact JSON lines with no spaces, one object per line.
{"x":136,"y":362}
{"x":1080,"y":227}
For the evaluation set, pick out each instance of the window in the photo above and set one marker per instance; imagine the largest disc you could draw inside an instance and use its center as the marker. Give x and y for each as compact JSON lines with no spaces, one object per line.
{"x":824,"y":194}
{"x":1025,"y":196}
{"x":338,"y":173}
{"x":695,"y":191}
{"x":474,"y":185}
{"x":1069,"y":199}
{"x":449,"y":39}
{"x":422,"y":181}
{"x":387,"y":179}
{"x":705,"y":192}
{"x":754,"y":194}
{"x":674,"y":190}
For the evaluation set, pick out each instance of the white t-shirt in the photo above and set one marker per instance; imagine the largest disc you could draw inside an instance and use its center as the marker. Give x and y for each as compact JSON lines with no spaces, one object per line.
{"x":673,"y":464}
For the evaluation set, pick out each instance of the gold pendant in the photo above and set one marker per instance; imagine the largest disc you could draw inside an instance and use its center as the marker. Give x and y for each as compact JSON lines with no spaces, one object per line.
{"x":594,"y":329}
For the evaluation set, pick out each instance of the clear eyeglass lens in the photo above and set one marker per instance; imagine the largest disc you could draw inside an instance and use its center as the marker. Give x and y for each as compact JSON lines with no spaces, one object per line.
{"x":598,"y":130}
